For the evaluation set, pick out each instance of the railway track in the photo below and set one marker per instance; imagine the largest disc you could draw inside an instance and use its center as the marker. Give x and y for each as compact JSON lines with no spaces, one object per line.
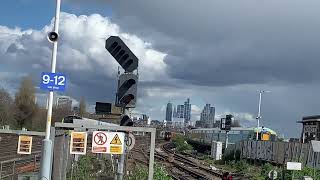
{"x":191,"y":169}
{"x":180,"y":168}
{"x":12,"y":163}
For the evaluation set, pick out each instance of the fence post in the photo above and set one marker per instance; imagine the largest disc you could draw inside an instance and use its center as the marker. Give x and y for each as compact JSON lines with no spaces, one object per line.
{"x":0,"y":170}
{"x":35,"y":163}
{"x":13,"y":169}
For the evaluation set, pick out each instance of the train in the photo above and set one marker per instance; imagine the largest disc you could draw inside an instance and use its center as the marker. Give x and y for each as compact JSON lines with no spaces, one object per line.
{"x":169,"y":135}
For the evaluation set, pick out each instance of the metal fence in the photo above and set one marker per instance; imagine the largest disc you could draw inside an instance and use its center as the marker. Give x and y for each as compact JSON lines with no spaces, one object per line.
{"x":11,"y":163}
{"x":9,"y":169}
{"x":277,"y":152}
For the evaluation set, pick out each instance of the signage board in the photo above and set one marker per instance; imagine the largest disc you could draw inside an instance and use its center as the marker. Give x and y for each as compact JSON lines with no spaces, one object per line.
{"x":53,"y":81}
{"x":273,"y":174}
{"x":103,"y":108}
{"x":315,"y":145}
{"x":78,"y":143}
{"x":310,"y":128}
{"x":223,"y":124}
{"x":131,"y":140}
{"x":265,"y":137}
{"x":99,"y":142}
{"x":24,"y":144}
{"x":117,"y":143}
{"x":108,"y":142}
{"x":293,"y":166}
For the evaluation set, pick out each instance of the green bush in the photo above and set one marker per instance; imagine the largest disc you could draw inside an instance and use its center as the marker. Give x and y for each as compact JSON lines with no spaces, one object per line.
{"x":141,"y":173}
{"x":230,"y":156}
{"x":265,"y":169}
{"x":89,"y":167}
{"x":241,"y":165}
{"x":181,"y":144}
{"x":86,"y":168}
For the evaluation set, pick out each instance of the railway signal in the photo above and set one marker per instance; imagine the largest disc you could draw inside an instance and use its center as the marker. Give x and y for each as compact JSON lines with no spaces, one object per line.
{"x":119,"y":50}
{"x":127,"y":91}
{"x":228,"y":122}
{"x":126,"y":121}
{"x":127,"y":85}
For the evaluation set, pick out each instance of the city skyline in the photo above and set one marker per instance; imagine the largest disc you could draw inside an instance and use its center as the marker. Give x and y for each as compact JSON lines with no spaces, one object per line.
{"x":179,"y":112}
{"x":240,"y":54}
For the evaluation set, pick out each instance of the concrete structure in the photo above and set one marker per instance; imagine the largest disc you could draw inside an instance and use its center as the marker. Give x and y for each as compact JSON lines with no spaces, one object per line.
{"x":310,"y":128}
{"x":207,"y":116}
{"x":178,"y":122}
{"x":187,"y":111}
{"x":169,"y":112}
{"x":216,"y":150}
{"x":208,"y":135}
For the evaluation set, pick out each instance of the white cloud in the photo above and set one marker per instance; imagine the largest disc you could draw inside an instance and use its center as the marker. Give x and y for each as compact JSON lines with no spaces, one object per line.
{"x":80,"y":48}
{"x":167,"y":93}
{"x":195,"y":109}
{"x":242,"y":116}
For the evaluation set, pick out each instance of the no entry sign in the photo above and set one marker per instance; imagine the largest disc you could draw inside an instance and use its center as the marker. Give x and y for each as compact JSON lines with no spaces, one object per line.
{"x":107,"y":142}
{"x":99,"y":142}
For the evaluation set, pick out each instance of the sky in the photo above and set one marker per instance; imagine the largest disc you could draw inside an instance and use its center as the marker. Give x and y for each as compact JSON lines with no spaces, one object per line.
{"x":211,"y":51}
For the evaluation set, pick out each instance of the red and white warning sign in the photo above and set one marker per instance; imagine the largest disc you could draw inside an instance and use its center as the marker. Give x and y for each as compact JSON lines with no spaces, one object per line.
{"x":108,"y":142}
{"x":99,"y":142}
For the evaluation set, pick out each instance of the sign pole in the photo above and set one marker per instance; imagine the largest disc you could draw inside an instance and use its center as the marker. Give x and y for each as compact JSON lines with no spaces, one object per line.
{"x":226,"y":146}
{"x":46,"y":160}
{"x":120,"y":171}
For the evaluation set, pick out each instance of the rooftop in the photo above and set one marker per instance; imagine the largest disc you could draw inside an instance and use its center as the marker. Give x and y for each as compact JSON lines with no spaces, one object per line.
{"x":232,"y":129}
{"x":310,"y":119}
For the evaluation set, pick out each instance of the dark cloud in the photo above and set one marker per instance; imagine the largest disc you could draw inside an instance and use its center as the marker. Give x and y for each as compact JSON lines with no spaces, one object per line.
{"x":221,"y":52}
{"x":227,"y":43}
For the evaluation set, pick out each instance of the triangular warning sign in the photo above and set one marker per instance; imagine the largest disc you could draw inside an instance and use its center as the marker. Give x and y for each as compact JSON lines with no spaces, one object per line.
{"x":116,"y":140}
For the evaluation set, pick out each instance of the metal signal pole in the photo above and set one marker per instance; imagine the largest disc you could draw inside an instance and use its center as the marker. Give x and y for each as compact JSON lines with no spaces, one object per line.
{"x":259,"y":112}
{"x":46,"y":160}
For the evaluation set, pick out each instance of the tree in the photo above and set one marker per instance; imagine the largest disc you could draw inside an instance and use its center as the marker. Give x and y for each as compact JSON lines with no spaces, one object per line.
{"x":39,"y":119}
{"x":82,"y":107}
{"x":6,"y":108}
{"x":181,"y":143}
{"x":60,"y":112}
{"x":25,"y":105}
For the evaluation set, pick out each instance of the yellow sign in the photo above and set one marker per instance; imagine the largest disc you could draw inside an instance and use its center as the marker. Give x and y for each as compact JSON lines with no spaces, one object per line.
{"x":24,"y":145}
{"x":116,"y":149}
{"x":265,"y":137}
{"x":78,"y":143}
{"x":116,"y":140}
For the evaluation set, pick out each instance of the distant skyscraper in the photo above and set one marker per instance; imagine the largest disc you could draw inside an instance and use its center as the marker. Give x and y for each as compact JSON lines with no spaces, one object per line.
{"x":187,"y":111}
{"x":180,"y":111}
{"x":207,"y":116}
{"x":174,"y":114}
{"x":169,"y":112}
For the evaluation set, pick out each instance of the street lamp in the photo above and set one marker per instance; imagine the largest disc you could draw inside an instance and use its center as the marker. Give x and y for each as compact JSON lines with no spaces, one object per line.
{"x":259,"y":112}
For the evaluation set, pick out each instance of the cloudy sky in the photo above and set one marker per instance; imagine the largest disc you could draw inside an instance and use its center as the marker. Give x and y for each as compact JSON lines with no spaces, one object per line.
{"x":213,"y":51}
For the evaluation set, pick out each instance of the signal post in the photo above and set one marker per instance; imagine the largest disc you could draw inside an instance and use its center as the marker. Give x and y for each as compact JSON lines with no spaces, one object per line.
{"x":127,"y":86}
